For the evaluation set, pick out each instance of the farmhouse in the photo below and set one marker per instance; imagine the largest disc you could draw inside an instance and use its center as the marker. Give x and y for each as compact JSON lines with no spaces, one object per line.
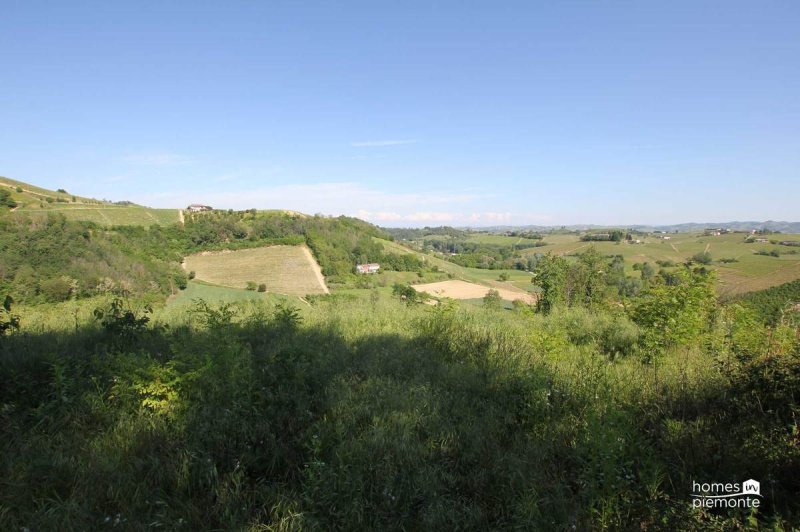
{"x":368,"y":268}
{"x":195,"y":207}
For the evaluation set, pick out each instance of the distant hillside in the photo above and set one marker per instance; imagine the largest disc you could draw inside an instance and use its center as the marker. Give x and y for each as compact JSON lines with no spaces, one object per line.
{"x":769,"y":225}
{"x":31,"y":199}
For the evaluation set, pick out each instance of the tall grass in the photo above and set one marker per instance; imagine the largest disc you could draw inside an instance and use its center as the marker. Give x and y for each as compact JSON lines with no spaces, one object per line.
{"x":355,"y":414}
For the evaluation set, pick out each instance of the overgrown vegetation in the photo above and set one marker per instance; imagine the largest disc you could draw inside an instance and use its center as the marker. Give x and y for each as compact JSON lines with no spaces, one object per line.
{"x":772,"y":304}
{"x":389,"y":415}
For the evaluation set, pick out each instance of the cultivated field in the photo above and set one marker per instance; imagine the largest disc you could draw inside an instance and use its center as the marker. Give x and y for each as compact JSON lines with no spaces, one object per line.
{"x":33,"y":200}
{"x":457,"y":289}
{"x":288,"y":270}
{"x":113,"y":215}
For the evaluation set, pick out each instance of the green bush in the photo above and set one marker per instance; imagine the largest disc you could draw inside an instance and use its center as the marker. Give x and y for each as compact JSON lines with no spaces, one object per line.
{"x":8,"y":320}
{"x":58,"y":289}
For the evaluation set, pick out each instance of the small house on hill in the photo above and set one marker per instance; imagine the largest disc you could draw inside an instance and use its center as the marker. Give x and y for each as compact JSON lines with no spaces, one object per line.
{"x":195,"y":207}
{"x":368,"y":268}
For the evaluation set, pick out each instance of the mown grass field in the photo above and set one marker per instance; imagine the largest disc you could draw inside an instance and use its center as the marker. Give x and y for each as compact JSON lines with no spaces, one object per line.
{"x":284,"y":269}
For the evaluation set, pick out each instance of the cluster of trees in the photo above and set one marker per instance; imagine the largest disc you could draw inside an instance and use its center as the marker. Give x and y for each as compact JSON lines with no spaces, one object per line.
{"x":571,"y":283}
{"x":612,"y":236}
{"x":407,"y":233}
{"x":472,"y":254}
{"x":771,"y":304}
{"x":51,"y":259}
{"x":672,"y":308}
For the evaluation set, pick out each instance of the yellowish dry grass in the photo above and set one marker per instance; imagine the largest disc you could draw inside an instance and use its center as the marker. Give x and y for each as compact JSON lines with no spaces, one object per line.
{"x":457,"y":289}
{"x":284,"y":269}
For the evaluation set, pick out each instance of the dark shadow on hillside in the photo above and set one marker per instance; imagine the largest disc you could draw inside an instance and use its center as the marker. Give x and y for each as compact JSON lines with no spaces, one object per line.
{"x":270,"y":421}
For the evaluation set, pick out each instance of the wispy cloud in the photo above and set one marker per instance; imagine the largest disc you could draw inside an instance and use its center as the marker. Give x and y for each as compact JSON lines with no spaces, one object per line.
{"x":433,"y":207}
{"x":378,"y":143}
{"x":156,"y":159}
{"x":452,"y":218}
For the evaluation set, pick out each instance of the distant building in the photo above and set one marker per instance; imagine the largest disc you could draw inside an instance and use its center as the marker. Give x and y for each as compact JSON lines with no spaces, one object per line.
{"x":195,"y":207}
{"x":368,"y":268}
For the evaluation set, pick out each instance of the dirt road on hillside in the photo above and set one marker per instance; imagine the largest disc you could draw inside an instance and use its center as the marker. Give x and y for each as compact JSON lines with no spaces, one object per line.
{"x":316,"y":268}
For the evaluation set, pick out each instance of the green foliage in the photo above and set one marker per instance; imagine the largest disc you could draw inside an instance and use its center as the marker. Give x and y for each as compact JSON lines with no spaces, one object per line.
{"x":405,"y":292}
{"x":675,"y":314}
{"x":492,"y":300}
{"x":704,"y":257}
{"x":6,"y":200}
{"x":387,"y":416}
{"x":252,"y":285}
{"x":8,"y":320}
{"x":120,"y":321}
{"x":551,"y":276}
{"x":262,"y":287}
{"x":287,"y":318}
{"x":579,"y":283}
{"x":772,"y":303}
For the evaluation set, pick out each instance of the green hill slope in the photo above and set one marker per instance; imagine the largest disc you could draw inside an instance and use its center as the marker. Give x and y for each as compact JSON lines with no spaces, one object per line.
{"x":36,"y":200}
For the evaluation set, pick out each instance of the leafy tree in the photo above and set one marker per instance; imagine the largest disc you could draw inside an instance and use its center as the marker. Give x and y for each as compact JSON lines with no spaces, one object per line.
{"x":673,"y":315}
{"x":551,"y":276}
{"x":121,"y":321}
{"x":8,"y":321}
{"x":647,"y":272}
{"x":6,"y":200}
{"x":492,"y":300}
{"x":405,"y":292}
{"x":703,"y":257}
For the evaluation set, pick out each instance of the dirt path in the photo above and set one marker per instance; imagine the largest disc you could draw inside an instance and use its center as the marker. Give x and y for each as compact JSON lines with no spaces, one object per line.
{"x":316,"y":268}
{"x":708,"y":246}
{"x":673,"y":247}
{"x":180,"y":216}
{"x":576,"y":249}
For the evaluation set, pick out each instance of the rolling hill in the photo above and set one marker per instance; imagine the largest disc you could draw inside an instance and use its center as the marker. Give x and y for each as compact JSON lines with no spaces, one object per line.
{"x":36,"y":200}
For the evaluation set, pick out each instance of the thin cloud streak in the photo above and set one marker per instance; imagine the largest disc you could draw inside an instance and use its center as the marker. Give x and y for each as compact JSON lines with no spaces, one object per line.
{"x":378,"y":143}
{"x":156,"y":159}
{"x":354,"y":199}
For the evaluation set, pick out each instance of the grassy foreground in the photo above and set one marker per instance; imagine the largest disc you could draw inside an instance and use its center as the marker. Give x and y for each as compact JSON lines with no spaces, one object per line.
{"x":366,"y":413}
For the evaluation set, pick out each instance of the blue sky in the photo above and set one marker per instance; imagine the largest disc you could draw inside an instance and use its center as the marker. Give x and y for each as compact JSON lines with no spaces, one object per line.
{"x":411,"y":113}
